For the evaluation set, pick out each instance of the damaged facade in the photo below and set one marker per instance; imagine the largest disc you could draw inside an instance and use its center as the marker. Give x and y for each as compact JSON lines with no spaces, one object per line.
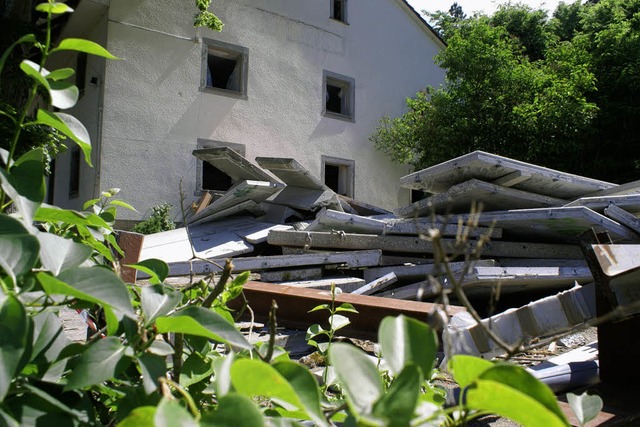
{"x":302,"y":79}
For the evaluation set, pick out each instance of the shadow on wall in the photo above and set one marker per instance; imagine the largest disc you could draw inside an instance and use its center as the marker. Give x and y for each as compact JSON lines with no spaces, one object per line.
{"x":204,"y":115}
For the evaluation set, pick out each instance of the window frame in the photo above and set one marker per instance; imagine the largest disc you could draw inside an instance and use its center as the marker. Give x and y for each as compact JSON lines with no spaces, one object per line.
{"x":342,"y":81}
{"x":226,"y":49}
{"x":345,"y":13}
{"x":210,"y":143}
{"x":349,"y":166}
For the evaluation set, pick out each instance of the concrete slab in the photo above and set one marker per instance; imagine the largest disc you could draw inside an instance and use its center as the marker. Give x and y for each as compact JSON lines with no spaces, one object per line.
{"x":291,"y":172}
{"x":296,"y":274}
{"x":418,"y":271}
{"x":329,"y":219}
{"x":246,"y":206}
{"x":377,"y":285}
{"x":461,"y":197}
{"x":418,"y":226}
{"x":233,"y":164}
{"x":564,"y":224}
{"x":346,"y":284}
{"x":628,"y":188}
{"x":404,"y":244}
{"x":307,"y":199}
{"x":628,"y":202}
{"x":490,"y":167}
{"x":623,"y":217}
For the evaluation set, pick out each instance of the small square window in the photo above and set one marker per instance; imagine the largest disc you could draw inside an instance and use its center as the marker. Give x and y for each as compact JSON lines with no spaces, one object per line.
{"x":339,"y":175}
{"x":339,"y":96}
{"x":339,"y":10}
{"x":225,"y":68}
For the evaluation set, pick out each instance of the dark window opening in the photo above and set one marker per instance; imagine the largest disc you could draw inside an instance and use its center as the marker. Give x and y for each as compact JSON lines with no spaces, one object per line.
{"x":81,"y":72}
{"x":224,"y":70}
{"x":51,"y":184}
{"x":335,"y":102}
{"x":214,"y":179}
{"x":418,"y":195}
{"x":332,"y":177}
{"x":338,"y":175}
{"x":339,"y":10}
{"x":74,"y":173}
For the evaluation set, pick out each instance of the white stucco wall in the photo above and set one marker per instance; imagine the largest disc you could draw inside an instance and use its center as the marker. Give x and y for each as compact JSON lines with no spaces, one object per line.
{"x":154,"y":111}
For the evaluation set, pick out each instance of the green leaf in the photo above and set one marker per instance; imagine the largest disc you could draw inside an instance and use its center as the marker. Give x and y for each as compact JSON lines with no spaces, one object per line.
{"x":320,"y":307}
{"x":18,"y":248}
{"x":204,"y":323}
{"x":64,"y":95}
{"x":585,"y":407}
{"x":141,"y":416}
{"x":34,"y":71}
{"x":358,"y":375}
{"x":86,"y":46}
{"x":152,"y":367}
{"x":54,"y":8}
{"x":158,"y":300}
{"x":234,"y":410}
{"x":90,"y":203}
{"x":60,"y":74}
{"x":253,"y":377}
{"x":98,"y":363}
{"x":54,"y":214}
{"x":59,"y":254}
{"x":27,"y":38}
{"x":70,"y":127}
{"x":305,"y":386}
{"x":222,"y":370}
{"x":156,"y":268}
{"x":466,"y":369}
{"x":27,"y":175}
{"x":315,"y":330}
{"x":6,"y":420}
{"x":25,"y":207}
{"x":160,"y":348}
{"x":398,"y":404}
{"x":49,"y":337}
{"x":170,"y":413}
{"x":14,"y":329}
{"x":348,"y":307}
{"x":195,"y":369}
{"x":405,"y":340}
{"x":338,"y":322}
{"x":122,"y":205}
{"x":93,"y":284}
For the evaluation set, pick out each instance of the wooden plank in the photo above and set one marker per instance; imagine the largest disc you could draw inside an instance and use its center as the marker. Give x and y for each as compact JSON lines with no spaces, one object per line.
{"x":131,"y":244}
{"x":353,"y":259}
{"x":346,"y":284}
{"x":564,"y":224}
{"x":418,"y":271}
{"x":289,"y":275}
{"x":489,"y":167}
{"x":233,"y":164}
{"x":294,"y":305}
{"x":623,"y":217}
{"x":404,"y":244}
{"x":204,"y":201}
{"x":628,"y":202}
{"x":418,"y":226}
{"x":377,"y":285}
{"x":208,"y":241}
{"x":329,"y":219}
{"x":256,"y":191}
{"x":461,"y":197}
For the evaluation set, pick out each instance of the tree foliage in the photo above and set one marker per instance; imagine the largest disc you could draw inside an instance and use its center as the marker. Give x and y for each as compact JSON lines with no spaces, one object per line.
{"x":563,"y":92}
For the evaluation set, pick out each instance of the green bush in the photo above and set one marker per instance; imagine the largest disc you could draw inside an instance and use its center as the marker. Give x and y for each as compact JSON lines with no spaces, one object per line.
{"x":157,"y":222}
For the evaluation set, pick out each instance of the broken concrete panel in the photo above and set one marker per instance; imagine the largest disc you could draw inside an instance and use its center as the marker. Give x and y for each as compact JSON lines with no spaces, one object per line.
{"x":362,"y":208}
{"x":328,"y":219}
{"x":246,"y":206}
{"x":377,"y":285}
{"x":490,"y":167}
{"x":291,"y":172}
{"x":628,"y":188}
{"x":419,"y":271}
{"x":564,"y":224}
{"x":256,"y":191}
{"x":628,"y":202}
{"x":278,"y":214}
{"x":307,"y":199}
{"x":353,"y":259}
{"x":461,"y":197}
{"x":289,"y":275}
{"x":408,"y":292}
{"x":346,"y":284}
{"x":421,"y":226}
{"x":233,"y":164}
{"x":623,"y":217}
{"x":208,"y":242}
{"x":540,"y":318}
{"x":404,"y":244}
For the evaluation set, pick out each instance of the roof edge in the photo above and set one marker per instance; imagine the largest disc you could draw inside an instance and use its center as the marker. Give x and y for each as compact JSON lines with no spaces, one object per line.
{"x":423,"y":22}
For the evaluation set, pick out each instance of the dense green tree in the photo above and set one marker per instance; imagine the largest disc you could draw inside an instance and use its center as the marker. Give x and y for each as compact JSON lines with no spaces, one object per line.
{"x":499,"y":96}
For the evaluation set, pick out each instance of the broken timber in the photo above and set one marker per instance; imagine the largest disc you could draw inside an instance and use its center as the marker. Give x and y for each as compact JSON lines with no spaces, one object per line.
{"x":502,"y":171}
{"x":408,"y":244}
{"x":353,"y":259}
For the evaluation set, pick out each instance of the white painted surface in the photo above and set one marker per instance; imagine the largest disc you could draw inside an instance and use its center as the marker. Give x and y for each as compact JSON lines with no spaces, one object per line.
{"x":154,"y":111}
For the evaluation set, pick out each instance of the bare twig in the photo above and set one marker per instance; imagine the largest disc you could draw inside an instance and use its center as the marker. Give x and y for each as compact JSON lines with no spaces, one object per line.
{"x":273,"y":326}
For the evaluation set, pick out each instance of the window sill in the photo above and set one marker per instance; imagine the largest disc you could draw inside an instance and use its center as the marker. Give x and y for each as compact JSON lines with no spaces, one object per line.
{"x":224,"y":92}
{"x":340,"y":21}
{"x":338,"y":116}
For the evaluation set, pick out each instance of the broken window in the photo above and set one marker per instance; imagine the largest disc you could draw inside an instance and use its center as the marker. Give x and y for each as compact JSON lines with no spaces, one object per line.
{"x":214,"y":179}
{"x":339,"y":175}
{"x":339,"y":10}
{"x":225,"y":67}
{"x":339,"y":97}
{"x":74,"y":173}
